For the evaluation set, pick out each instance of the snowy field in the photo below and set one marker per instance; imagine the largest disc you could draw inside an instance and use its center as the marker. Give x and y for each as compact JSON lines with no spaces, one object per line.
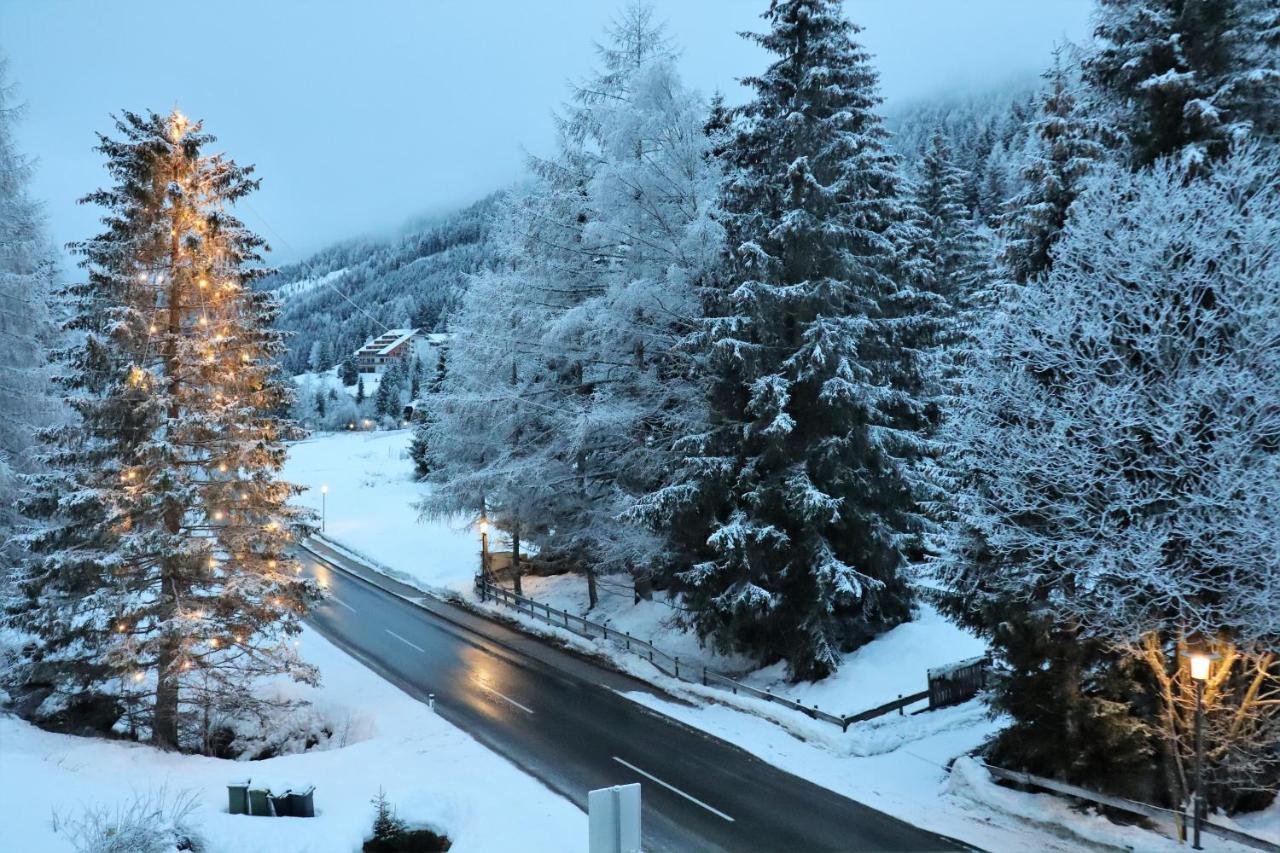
{"x":894,"y":763}
{"x":435,"y":774}
{"x":370,"y":506}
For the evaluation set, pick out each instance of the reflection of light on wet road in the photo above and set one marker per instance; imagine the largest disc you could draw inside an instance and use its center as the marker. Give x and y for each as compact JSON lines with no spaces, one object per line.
{"x":322,"y":574}
{"x":485,"y":677}
{"x":504,"y":697}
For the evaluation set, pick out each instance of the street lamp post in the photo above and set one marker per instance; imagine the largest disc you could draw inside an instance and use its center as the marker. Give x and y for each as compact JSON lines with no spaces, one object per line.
{"x":1199,"y":674}
{"x":484,"y":548}
{"x":324,"y":491}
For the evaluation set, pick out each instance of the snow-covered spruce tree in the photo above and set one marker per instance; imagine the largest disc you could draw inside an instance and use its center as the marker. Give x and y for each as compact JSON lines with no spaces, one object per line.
{"x":423,"y":419}
{"x":161,"y":578}
{"x":797,"y":501}
{"x":1186,"y":77}
{"x":952,"y":248}
{"x":387,"y":400}
{"x":348,"y":371}
{"x":1124,"y":477}
{"x":26,"y":330}
{"x":1065,"y":144}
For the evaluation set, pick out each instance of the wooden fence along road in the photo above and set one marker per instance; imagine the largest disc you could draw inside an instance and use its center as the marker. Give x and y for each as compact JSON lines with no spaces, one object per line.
{"x":949,"y":685}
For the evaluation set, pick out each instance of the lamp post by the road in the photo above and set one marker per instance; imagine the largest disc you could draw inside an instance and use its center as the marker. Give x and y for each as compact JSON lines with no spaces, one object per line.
{"x":324,"y":491}
{"x":484,"y":548}
{"x":1200,"y":661}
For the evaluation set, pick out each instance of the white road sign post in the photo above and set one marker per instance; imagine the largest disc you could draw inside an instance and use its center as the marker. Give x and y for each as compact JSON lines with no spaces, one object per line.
{"x":613,"y":819}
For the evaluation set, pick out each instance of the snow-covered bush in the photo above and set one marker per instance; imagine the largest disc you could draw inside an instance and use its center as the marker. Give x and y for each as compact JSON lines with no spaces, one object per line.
{"x":296,"y":728}
{"x":154,"y":821}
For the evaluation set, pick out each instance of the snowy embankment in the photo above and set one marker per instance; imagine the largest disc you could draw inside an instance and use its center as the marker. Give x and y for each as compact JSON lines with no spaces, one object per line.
{"x":895,"y":763}
{"x":434,"y":773}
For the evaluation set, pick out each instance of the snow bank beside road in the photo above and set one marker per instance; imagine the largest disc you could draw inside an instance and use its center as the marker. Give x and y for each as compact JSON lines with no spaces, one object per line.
{"x":434,"y":773}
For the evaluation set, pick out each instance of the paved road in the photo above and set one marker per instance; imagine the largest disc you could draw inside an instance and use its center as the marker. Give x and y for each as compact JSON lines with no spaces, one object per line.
{"x":562,"y":719}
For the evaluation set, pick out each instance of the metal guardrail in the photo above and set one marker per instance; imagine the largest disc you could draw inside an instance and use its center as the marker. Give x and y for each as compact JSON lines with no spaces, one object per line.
{"x":671,"y":665}
{"x":1180,"y":820}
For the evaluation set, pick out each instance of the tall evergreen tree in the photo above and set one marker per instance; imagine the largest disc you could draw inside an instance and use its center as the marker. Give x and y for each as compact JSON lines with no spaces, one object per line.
{"x":1185,"y":78}
{"x":805,"y":476}
{"x":386,"y":401}
{"x":26,"y":330}
{"x":348,"y":371}
{"x":162,"y":578}
{"x":1066,"y":144}
{"x":424,"y":419}
{"x":953,"y":248}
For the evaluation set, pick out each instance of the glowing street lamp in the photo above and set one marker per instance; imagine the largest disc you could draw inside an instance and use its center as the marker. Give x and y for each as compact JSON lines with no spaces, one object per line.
{"x":1200,"y":662}
{"x":324,"y":491}
{"x":484,"y":547}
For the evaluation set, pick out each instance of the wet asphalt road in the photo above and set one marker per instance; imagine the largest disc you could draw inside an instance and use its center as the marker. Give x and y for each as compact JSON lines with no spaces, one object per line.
{"x":562,"y":719}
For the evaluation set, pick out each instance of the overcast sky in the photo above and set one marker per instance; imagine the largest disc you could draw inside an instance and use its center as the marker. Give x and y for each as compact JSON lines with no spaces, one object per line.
{"x":360,"y":115}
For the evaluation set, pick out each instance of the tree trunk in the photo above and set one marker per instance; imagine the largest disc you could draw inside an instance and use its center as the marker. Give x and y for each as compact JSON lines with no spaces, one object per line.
{"x":164,"y":718}
{"x":164,"y":723}
{"x":515,"y":558}
{"x":593,"y":597}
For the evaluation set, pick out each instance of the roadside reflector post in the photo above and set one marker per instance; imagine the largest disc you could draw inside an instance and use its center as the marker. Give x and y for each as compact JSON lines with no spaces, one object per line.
{"x":613,"y":819}
{"x":431,"y":701}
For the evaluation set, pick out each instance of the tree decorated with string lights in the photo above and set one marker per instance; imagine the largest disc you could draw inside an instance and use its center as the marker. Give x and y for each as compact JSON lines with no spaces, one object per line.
{"x":161,"y":579}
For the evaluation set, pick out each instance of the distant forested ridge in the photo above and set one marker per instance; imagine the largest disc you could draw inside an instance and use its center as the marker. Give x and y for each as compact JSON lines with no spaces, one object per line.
{"x":986,"y":132}
{"x":412,"y":280}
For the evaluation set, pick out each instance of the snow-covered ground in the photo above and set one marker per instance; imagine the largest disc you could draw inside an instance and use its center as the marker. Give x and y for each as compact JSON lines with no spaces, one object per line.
{"x":309,"y":383}
{"x":434,"y":773}
{"x":894,"y":763}
{"x":369,"y":506}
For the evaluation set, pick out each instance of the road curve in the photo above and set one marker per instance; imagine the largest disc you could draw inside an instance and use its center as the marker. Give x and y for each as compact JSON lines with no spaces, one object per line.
{"x":562,"y":719}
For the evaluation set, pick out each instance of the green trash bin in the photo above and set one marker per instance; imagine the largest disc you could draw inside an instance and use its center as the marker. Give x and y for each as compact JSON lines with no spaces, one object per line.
{"x":302,"y":802}
{"x":280,"y":804}
{"x":260,"y":802}
{"x":238,"y":797}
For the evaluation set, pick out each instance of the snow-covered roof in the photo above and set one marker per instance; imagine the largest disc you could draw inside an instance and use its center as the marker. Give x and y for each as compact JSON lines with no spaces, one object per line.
{"x":390,"y":339}
{"x":386,"y":342}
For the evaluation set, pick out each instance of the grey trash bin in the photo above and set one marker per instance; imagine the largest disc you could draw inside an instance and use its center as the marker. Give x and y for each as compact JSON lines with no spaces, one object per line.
{"x":280,"y":804}
{"x":260,"y":802}
{"x":302,"y":802}
{"x":238,"y":797}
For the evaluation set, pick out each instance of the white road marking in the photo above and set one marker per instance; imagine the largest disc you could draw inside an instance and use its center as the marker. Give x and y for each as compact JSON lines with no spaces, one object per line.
{"x":406,"y":642}
{"x":674,"y":789}
{"x":502,"y":696}
{"x":339,"y":601}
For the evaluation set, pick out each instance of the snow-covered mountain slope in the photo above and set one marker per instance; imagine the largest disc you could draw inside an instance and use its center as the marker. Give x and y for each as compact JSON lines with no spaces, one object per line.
{"x":345,"y":294}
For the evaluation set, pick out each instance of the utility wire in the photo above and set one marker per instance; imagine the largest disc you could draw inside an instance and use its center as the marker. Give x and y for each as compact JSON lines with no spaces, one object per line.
{"x":310,"y":271}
